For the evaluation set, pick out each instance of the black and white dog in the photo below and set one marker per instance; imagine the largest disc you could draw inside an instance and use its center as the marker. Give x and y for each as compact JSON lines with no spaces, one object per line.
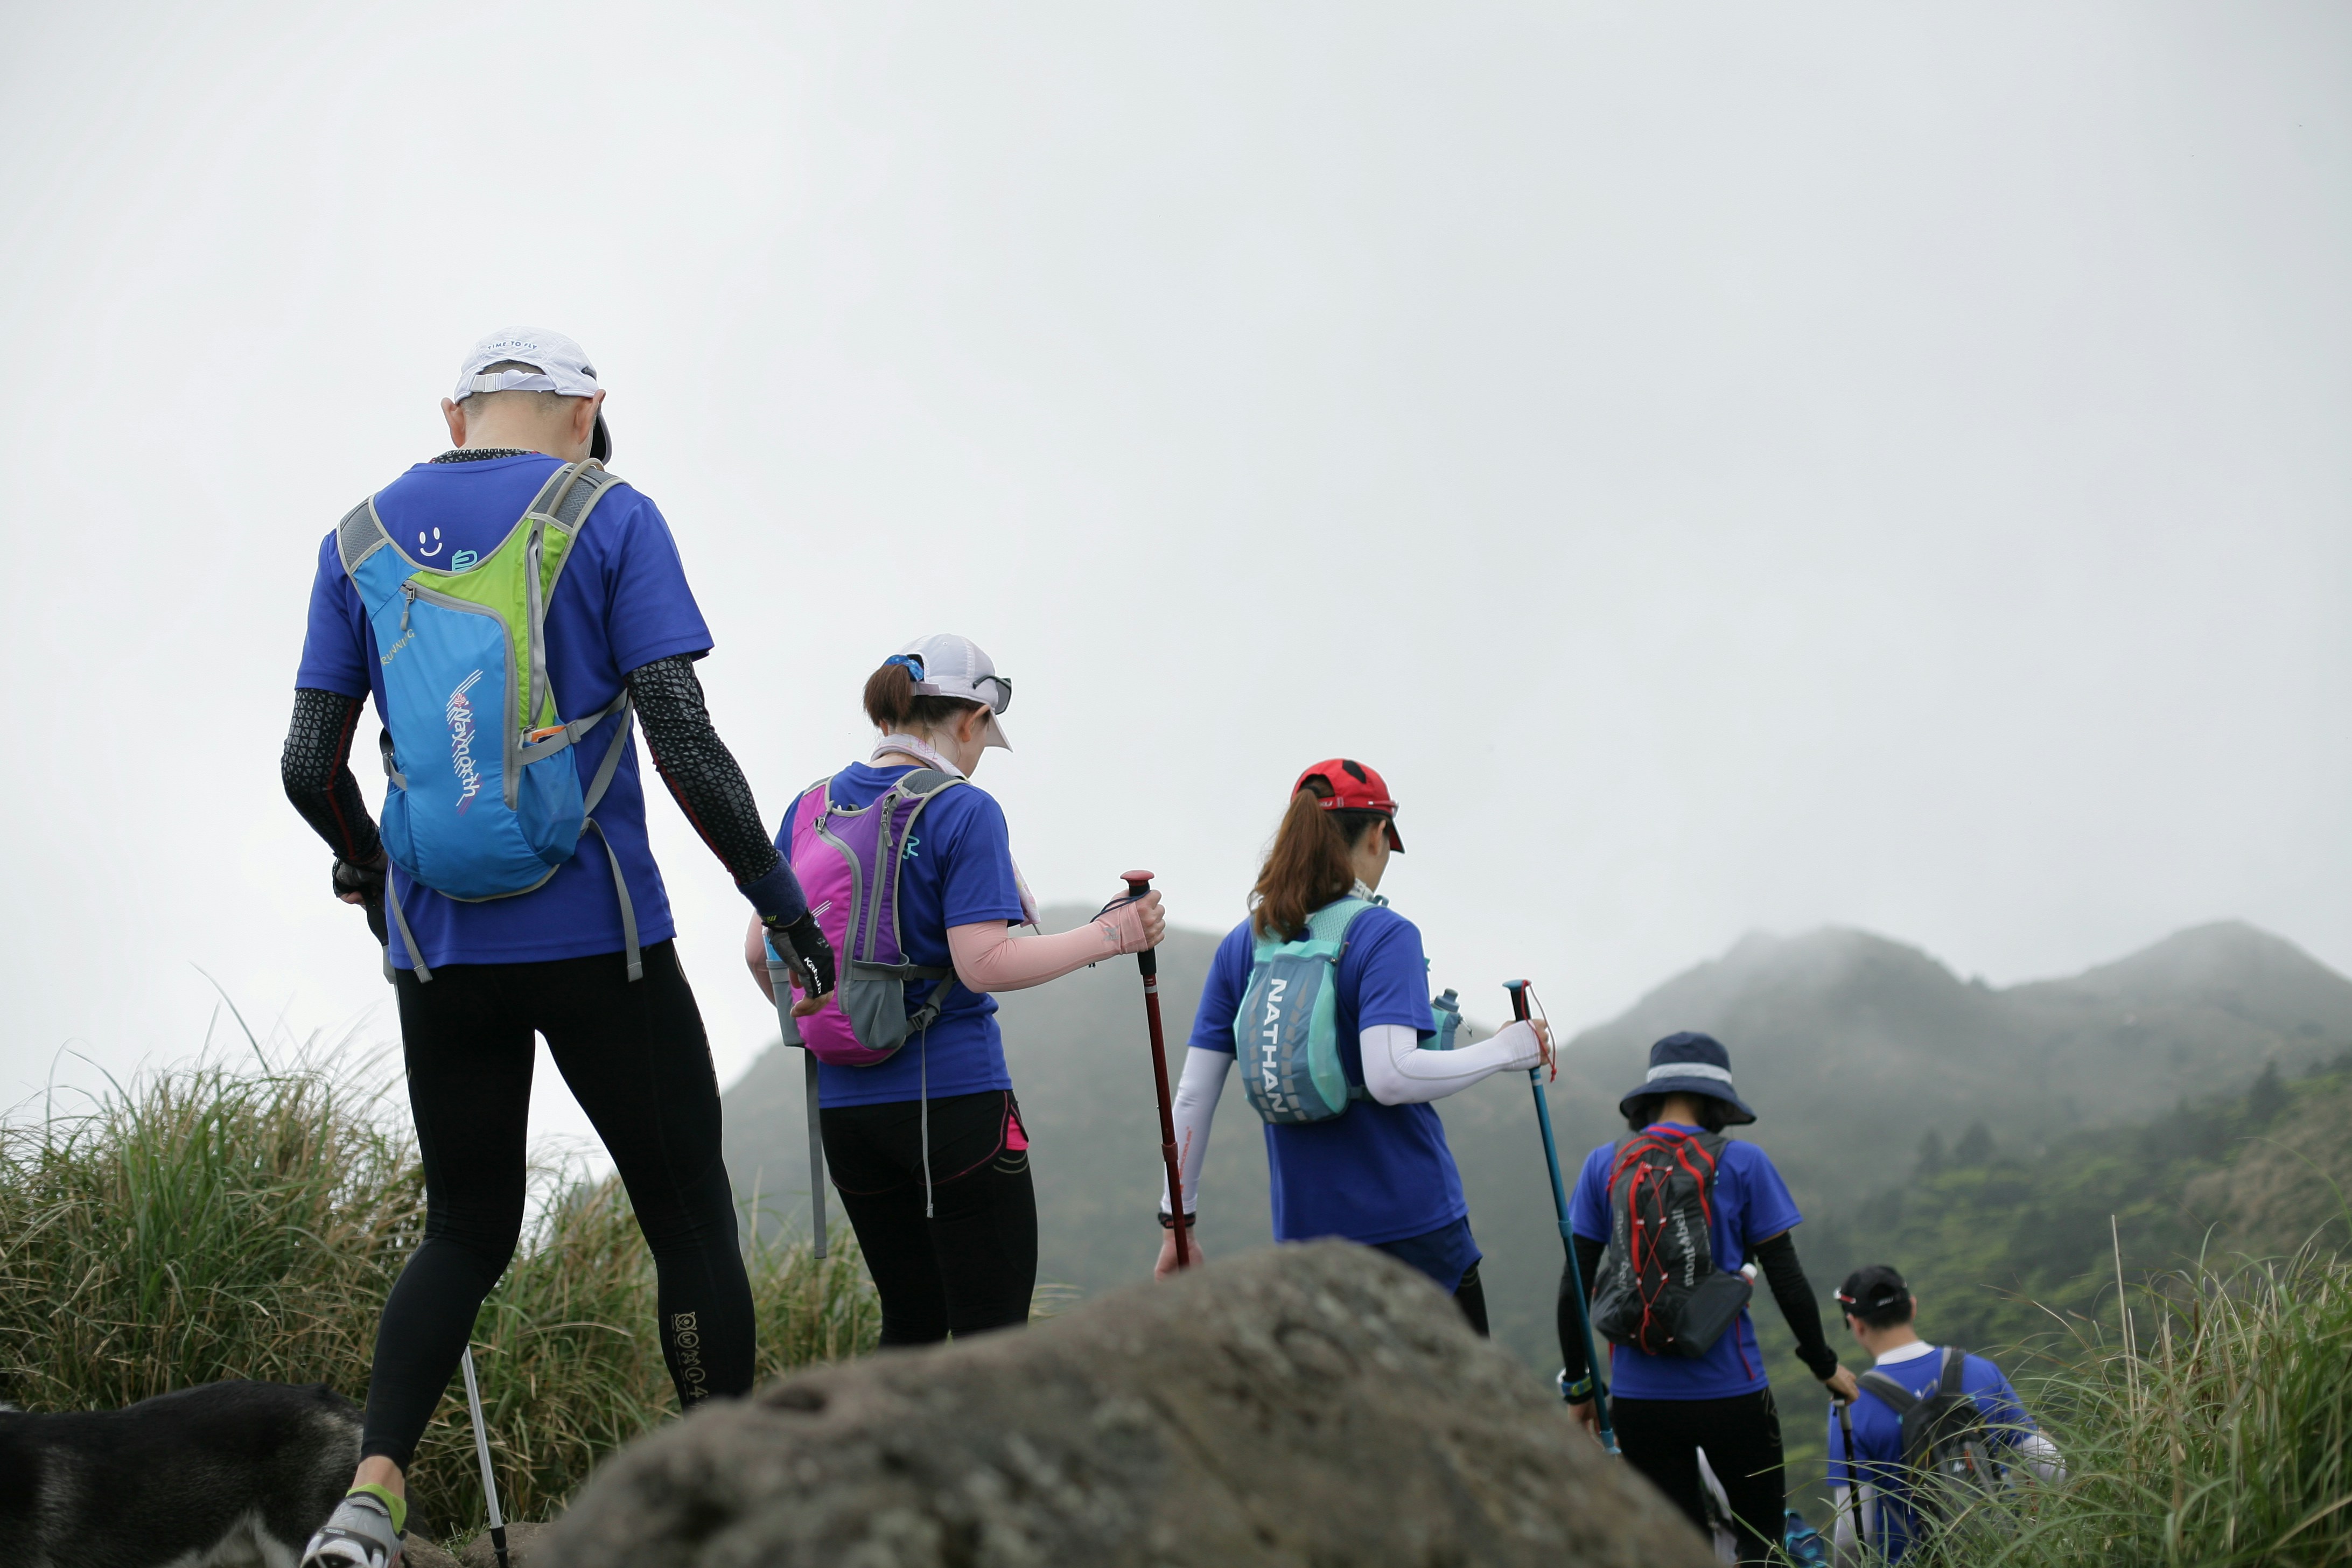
{"x":231,"y":1473}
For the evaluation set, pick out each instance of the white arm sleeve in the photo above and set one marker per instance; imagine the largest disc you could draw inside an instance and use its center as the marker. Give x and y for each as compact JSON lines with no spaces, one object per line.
{"x":1845,"y":1551}
{"x":2041,"y":1454}
{"x":1399,"y":1072}
{"x":1197,"y":1093}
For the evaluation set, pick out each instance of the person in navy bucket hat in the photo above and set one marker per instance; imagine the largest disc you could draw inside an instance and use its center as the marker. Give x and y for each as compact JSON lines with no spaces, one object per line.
{"x":1685,"y":1372}
{"x":1688,"y":1063}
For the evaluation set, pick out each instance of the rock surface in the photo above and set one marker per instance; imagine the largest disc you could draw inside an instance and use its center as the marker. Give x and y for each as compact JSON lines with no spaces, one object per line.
{"x":1299,"y":1405}
{"x":422,"y":1551}
{"x":523,"y":1543}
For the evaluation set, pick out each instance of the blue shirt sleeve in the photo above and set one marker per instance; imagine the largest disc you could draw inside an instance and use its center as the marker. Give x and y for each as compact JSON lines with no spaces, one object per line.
{"x":2004,"y":1413}
{"x":1390,"y":976}
{"x":978,"y":854}
{"x":649,"y":613}
{"x":334,"y":648}
{"x":1588,"y":1207}
{"x":1766,"y":1207}
{"x":1220,"y":993}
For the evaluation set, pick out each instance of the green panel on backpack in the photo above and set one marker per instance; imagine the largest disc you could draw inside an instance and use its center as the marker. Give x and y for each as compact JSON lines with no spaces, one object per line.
{"x":498,"y":582}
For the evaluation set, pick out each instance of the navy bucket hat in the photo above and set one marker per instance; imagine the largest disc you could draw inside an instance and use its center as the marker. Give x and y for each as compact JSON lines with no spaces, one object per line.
{"x":1691,"y":1063}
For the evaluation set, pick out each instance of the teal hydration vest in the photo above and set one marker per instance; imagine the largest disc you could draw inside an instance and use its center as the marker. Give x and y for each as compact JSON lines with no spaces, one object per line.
{"x":1287,"y":1031}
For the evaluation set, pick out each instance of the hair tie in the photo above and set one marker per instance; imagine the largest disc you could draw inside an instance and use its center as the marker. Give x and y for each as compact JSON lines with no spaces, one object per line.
{"x":912,"y":663}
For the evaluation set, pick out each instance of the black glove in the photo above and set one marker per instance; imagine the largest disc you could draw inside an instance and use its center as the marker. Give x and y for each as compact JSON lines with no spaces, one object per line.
{"x":805,"y":952}
{"x":368,"y":883}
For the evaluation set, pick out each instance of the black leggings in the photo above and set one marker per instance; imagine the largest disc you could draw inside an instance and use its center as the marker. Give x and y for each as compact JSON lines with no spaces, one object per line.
{"x":973,"y":1264}
{"x":635,"y":1058}
{"x":1742,"y":1435}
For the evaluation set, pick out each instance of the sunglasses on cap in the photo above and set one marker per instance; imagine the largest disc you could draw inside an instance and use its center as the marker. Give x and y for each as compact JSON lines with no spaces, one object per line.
{"x":996,"y":690}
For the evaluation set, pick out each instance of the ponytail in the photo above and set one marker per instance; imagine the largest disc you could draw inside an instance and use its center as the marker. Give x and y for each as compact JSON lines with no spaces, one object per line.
{"x":1309,"y":864}
{"x":894,"y":704}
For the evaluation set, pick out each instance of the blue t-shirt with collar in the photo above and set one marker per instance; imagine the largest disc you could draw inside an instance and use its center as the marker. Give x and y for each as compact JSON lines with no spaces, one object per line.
{"x":1878,"y":1434}
{"x":957,"y":870}
{"x":621,"y":602}
{"x":1374,"y":1173}
{"x":1751,"y":1205}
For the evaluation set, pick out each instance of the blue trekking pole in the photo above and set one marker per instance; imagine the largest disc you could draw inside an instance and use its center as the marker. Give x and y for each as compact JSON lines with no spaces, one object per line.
{"x":1607,"y":1433}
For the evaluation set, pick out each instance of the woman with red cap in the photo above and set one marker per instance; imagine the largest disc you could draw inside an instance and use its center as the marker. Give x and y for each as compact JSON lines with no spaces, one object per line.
{"x":1377,"y":1170}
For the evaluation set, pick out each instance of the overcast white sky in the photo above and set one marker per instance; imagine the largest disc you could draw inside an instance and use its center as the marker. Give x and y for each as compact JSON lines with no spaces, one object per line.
{"x":1730,"y":467}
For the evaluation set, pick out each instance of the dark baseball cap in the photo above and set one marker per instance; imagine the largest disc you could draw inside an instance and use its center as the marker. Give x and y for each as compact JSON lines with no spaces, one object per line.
{"x":1874,"y":1290}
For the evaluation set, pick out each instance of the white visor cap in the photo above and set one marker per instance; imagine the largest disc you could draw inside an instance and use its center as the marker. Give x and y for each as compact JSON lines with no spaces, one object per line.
{"x":563,"y":367}
{"x":951,"y":666}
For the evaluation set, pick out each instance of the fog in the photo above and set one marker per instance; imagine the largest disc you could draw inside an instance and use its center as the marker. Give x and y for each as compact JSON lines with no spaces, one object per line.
{"x":1729,"y":468}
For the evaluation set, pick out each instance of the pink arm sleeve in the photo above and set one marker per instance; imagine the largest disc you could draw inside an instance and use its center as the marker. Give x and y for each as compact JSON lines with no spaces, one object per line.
{"x":989,"y":957}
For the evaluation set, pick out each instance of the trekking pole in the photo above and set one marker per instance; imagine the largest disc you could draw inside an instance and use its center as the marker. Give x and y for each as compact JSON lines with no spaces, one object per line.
{"x":1138,"y":884}
{"x":1602,"y":1429}
{"x":1852,"y":1479}
{"x":482,"y":1452}
{"x":779,"y":981}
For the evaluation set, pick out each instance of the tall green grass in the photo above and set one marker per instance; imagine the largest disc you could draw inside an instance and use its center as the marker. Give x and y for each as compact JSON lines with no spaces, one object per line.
{"x":2209,"y":1423}
{"x":204,"y":1223}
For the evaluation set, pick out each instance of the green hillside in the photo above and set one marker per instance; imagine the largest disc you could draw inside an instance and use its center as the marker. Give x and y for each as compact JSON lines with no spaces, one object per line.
{"x":2016,"y":1252}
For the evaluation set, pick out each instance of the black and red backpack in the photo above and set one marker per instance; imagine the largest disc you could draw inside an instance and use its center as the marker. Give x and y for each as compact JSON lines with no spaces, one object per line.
{"x":1658,"y":1289}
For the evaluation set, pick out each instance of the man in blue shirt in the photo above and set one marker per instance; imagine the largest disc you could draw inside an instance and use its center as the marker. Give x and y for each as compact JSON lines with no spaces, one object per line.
{"x":1879,"y":1309}
{"x":585,"y":961}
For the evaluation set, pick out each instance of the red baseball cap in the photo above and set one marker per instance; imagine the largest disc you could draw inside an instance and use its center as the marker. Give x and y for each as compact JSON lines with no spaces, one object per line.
{"x":1354,"y":787}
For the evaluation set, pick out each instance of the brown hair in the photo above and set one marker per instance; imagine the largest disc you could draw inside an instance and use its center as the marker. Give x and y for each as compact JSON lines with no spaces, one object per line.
{"x":893,"y":703}
{"x":1309,"y":865}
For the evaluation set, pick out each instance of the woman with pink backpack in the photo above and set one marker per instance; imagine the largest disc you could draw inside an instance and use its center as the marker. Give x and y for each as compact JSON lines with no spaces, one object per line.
{"x":908,"y":868}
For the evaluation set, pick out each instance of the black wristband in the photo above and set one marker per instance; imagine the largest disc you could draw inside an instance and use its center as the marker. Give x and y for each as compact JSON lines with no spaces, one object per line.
{"x":1168,"y":1221}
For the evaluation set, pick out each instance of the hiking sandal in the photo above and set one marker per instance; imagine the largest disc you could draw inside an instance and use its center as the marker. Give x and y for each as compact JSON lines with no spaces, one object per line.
{"x":358,"y":1534}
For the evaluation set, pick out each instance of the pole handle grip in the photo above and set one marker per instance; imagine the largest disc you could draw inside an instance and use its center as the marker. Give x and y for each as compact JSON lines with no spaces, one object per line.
{"x":1138,"y":884}
{"x":1518,"y":990}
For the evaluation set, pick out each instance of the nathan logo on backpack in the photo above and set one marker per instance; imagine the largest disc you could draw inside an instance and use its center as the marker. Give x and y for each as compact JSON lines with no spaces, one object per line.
{"x":1287,"y":1030}
{"x":848,"y":860}
{"x":1948,"y":1469}
{"x":1659,"y":1291}
{"x":483,"y":796}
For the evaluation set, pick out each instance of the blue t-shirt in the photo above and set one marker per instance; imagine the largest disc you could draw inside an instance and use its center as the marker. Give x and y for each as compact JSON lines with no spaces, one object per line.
{"x":621,"y":602}
{"x":957,"y":871}
{"x":1374,"y":1173}
{"x":1751,"y":1205}
{"x":1878,"y":1435}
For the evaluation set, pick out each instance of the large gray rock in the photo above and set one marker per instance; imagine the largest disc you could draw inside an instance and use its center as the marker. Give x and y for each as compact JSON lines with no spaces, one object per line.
{"x":1299,"y":1405}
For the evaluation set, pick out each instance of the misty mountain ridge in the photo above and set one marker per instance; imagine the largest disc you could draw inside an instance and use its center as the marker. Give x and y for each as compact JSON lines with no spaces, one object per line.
{"x":1851,"y":1047}
{"x":1834,"y":1022}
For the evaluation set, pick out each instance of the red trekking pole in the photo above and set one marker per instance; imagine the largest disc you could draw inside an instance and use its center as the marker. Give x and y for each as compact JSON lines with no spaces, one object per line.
{"x":1138,"y":884}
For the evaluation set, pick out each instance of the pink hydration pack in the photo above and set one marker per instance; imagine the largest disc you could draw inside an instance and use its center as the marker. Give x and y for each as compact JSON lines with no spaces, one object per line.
{"x":847,"y":862}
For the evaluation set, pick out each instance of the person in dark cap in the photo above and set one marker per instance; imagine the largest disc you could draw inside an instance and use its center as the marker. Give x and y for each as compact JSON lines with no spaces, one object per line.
{"x":1907,"y":1371}
{"x":1672,"y":1225}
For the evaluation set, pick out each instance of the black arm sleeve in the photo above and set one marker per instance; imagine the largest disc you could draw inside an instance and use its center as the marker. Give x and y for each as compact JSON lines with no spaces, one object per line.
{"x":315,"y":768}
{"x":1571,"y":1336}
{"x":699,"y":769}
{"x":1794,"y":1292}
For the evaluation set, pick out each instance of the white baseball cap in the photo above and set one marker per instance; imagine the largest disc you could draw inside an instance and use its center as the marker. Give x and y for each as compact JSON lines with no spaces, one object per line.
{"x":562,"y":369}
{"x":945,"y":665}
